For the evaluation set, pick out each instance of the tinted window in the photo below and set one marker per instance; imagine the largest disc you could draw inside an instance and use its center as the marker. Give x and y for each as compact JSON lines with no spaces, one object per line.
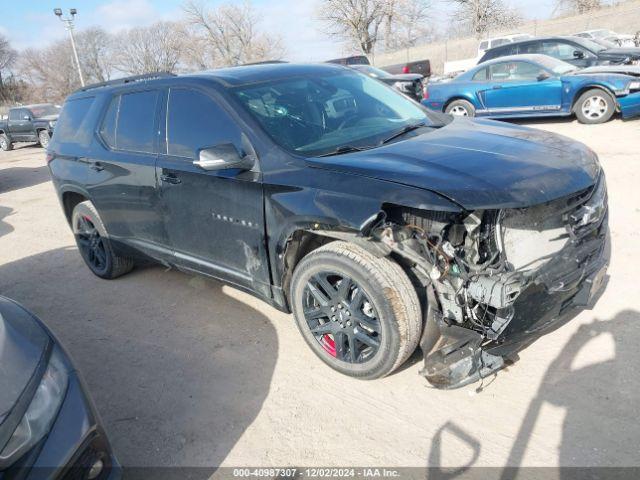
{"x":196,"y":121}
{"x":534,"y":47}
{"x":108,"y":127}
{"x":70,"y":128}
{"x":562,"y":51}
{"x":16,"y":114}
{"x":500,"y":41}
{"x":481,"y":75}
{"x":136,"y":121}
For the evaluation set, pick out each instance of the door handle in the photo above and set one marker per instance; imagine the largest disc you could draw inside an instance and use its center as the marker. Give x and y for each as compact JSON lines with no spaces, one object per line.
{"x":97,"y":166}
{"x":170,"y":179}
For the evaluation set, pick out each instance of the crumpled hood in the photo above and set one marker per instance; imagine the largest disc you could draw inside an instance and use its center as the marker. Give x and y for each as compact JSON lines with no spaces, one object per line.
{"x":22,"y":343}
{"x":633,"y":70}
{"x":479,"y":164}
{"x":631,"y":52}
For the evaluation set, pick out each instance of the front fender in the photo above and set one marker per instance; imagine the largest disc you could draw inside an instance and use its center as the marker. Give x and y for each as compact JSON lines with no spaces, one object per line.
{"x":341,"y":207}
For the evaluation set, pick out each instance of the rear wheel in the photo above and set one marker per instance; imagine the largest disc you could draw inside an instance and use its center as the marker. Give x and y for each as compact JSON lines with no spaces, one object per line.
{"x":43,"y":138}
{"x":594,"y":106}
{"x":461,"y":108}
{"x":359,"y":313}
{"x":5,"y":143}
{"x":94,"y":244}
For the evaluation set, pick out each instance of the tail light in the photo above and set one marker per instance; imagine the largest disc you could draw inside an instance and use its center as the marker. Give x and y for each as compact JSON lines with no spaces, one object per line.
{"x":49,"y":157}
{"x":425,"y":91}
{"x":405,"y":69}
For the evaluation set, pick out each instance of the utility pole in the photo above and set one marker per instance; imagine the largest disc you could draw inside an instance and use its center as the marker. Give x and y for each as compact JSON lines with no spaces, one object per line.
{"x":68,"y":25}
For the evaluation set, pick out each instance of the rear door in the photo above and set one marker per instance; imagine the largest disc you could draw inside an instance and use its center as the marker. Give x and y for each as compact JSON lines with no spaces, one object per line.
{"x":514,"y":89}
{"x":214,"y":219}
{"x":121,"y":170}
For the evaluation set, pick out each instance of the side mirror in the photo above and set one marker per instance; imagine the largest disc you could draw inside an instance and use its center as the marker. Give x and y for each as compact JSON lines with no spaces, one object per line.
{"x":543,"y":76}
{"x":26,"y":117}
{"x":578,"y":54}
{"x":223,"y":157}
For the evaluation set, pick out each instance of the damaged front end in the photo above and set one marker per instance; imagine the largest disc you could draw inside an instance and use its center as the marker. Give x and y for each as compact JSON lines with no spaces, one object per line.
{"x":495,"y":279}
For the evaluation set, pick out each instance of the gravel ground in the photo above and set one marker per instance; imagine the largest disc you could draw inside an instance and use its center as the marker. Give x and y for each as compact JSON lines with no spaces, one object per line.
{"x":188,"y":372}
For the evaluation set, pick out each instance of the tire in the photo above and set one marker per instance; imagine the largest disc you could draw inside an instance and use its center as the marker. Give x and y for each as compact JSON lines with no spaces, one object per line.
{"x":43,"y":138}
{"x":94,"y":244}
{"x":460,"y":108}
{"x":594,"y":106}
{"x":5,"y":143}
{"x":378,"y":302}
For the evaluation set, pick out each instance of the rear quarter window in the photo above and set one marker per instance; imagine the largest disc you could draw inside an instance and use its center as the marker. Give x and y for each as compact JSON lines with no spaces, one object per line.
{"x":72,"y":125}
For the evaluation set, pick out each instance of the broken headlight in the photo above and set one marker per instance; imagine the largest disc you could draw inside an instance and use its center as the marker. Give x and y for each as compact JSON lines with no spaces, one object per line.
{"x":42,"y":410}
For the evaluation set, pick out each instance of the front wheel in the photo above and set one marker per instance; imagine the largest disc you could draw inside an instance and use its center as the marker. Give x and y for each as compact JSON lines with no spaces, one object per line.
{"x":94,"y":244}
{"x":359,"y":313}
{"x":594,"y":106}
{"x":43,"y":138}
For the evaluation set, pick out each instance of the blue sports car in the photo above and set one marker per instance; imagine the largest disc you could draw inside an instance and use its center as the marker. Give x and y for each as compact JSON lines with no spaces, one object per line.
{"x":537,"y":85}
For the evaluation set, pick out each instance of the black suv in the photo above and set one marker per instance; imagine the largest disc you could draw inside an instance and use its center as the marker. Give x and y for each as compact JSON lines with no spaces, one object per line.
{"x":379,"y":224}
{"x":581,"y":52}
{"x":30,"y":123}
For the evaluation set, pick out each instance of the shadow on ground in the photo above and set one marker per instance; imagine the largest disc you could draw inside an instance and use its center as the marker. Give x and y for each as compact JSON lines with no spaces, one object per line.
{"x":178,"y":367}
{"x":610,"y":388}
{"x":15,"y":178}
{"x":5,"y":228}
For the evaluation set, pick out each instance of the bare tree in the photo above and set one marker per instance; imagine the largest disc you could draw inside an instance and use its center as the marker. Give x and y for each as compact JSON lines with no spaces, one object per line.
{"x":479,"y":17}
{"x":357,"y":22}
{"x":156,"y":48}
{"x":407,"y":23}
{"x":228,"y":35}
{"x":7,"y":56}
{"x":579,"y":6}
{"x":96,"y":52}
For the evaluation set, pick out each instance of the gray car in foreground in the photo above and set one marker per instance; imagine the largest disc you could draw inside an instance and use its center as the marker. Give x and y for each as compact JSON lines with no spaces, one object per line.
{"x":49,"y":427}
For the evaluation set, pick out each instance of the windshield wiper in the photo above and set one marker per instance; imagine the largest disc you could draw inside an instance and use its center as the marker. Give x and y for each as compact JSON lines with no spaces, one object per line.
{"x":402,"y":131}
{"x":343,"y":149}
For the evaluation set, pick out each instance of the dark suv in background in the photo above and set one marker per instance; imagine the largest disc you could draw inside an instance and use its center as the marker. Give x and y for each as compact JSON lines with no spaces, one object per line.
{"x":379,"y":224}
{"x":30,"y":123}
{"x":581,"y":52}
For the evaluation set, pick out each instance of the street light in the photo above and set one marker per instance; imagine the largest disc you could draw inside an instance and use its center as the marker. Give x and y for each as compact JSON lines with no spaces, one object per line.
{"x":68,"y":24}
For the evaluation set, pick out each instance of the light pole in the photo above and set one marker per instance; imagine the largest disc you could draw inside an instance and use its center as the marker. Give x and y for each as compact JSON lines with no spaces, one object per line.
{"x":68,"y":24}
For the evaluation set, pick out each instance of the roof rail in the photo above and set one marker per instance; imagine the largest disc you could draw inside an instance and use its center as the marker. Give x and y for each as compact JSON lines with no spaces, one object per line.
{"x":263,"y":62}
{"x":123,"y":80}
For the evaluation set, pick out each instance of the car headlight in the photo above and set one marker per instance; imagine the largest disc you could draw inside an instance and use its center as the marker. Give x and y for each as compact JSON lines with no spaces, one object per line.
{"x":41,"y":412}
{"x":633,"y":86}
{"x":52,"y":123}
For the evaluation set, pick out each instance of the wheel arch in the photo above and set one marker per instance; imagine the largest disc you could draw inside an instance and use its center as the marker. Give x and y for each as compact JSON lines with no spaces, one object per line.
{"x":458,"y":97}
{"x":593,"y":86}
{"x":70,"y":198}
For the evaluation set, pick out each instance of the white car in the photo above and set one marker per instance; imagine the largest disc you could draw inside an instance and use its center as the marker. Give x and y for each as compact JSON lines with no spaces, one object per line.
{"x":619,"y":39}
{"x":488,"y":43}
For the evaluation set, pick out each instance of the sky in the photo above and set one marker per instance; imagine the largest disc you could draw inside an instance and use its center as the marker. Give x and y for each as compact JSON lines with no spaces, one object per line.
{"x":31,"y":23}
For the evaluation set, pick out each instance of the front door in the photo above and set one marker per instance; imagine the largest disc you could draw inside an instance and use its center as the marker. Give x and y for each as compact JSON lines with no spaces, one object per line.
{"x":516,"y":89}
{"x":20,"y":124}
{"x":214,"y":219}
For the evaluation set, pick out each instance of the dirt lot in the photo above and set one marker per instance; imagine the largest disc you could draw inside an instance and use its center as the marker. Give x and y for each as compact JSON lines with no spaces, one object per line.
{"x":186,"y":371}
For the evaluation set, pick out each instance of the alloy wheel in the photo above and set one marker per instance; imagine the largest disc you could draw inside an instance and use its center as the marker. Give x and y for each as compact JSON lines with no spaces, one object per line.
{"x":3,"y":143}
{"x":459,"y":111}
{"x":91,"y":243}
{"x":341,"y":317}
{"x":594,"y":107}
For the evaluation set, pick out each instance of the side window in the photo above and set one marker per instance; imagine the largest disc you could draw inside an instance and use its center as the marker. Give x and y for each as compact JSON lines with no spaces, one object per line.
{"x":69,"y":127}
{"x":562,"y":51}
{"x":481,"y":75}
{"x":109,"y":123}
{"x":195,"y":121}
{"x":514,"y":71}
{"x":534,"y":47}
{"x":499,"y":41}
{"x":16,"y":114}
{"x":483,"y":45}
{"x":135,"y":130}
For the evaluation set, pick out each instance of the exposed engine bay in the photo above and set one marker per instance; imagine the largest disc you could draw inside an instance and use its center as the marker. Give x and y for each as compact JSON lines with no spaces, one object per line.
{"x":478,"y":268}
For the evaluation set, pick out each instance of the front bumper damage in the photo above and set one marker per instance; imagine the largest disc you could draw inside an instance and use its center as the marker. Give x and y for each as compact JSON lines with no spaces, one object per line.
{"x":497,"y":280}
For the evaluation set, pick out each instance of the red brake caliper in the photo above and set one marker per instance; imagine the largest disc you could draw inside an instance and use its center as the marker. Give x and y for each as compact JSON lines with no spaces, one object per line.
{"x":328,"y":344}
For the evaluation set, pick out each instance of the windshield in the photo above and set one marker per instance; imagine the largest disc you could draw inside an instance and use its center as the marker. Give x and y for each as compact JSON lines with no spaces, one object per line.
{"x":556,"y":66}
{"x":39,"y":111}
{"x":589,"y":44}
{"x":316,"y":116}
